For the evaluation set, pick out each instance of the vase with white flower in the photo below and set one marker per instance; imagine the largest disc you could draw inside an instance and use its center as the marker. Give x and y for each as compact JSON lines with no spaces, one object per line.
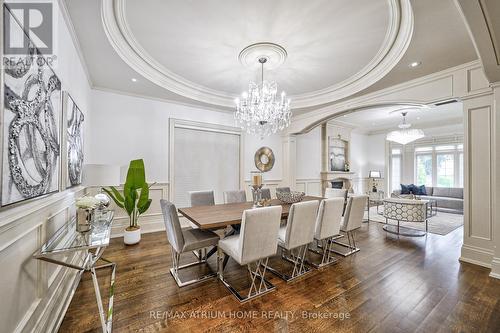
{"x":85,"y":213}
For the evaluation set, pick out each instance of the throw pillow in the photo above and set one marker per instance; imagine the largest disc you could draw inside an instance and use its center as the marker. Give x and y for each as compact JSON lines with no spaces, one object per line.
{"x":419,"y":190}
{"x":406,"y":189}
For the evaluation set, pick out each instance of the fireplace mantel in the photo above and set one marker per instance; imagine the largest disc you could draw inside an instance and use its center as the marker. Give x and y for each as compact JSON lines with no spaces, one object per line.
{"x":328,"y":176}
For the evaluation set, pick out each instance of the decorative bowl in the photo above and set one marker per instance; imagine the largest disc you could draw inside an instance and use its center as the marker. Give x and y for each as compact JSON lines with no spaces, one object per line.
{"x":290,"y":197}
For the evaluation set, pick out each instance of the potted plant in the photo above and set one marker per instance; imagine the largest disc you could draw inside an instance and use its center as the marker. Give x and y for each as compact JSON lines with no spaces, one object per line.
{"x":134,"y":200}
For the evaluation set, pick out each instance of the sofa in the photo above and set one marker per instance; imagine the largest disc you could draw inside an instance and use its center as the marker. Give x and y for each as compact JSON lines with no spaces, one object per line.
{"x":449,"y":199}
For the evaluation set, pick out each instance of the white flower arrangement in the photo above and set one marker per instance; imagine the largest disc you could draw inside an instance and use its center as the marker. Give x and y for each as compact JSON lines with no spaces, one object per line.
{"x":87,"y":202}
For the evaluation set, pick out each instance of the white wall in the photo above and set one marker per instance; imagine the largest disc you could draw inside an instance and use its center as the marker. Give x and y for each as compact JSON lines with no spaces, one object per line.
{"x":127,"y":127}
{"x":34,"y":293}
{"x":309,"y":154}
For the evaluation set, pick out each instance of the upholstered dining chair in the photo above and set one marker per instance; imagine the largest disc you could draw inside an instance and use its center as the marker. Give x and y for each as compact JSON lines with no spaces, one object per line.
{"x":296,"y":236}
{"x":265,"y":194}
{"x":283,"y":189}
{"x":256,"y":242}
{"x":335,"y":193}
{"x":185,"y":240}
{"x":235,"y":196}
{"x":201,"y":198}
{"x":352,"y":221}
{"x":327,"y":229}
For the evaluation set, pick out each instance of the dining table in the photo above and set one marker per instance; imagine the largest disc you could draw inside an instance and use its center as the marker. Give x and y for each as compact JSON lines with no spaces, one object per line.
{"x":221,"y":215}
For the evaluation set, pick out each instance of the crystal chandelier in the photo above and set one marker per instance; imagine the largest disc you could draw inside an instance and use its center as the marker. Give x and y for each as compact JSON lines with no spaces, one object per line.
{"x":405,"y":134}
{"x":259,"y":111}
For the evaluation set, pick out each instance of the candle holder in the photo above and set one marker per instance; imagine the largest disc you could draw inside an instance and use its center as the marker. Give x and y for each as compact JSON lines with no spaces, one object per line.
{"x":257,"y":188}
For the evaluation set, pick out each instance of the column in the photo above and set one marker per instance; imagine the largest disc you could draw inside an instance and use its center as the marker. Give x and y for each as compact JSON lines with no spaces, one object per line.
{"x":289,"y":161}
{"x":479,"y":180}
{"x":495,"y":262}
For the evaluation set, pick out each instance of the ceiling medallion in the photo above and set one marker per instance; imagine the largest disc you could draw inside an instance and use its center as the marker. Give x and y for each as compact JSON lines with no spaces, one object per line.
{"x":405,"y":134}
{"x":258,"y":110}
{"x":275,"y":55}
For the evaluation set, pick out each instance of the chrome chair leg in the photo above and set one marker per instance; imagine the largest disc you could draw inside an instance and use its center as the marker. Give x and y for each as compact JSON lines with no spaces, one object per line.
{"x":351,"y":246}
{"x":297,"y":259}
{"x":326,"y":254}
{"x":174,"y":271}
{"x":257,"y":289}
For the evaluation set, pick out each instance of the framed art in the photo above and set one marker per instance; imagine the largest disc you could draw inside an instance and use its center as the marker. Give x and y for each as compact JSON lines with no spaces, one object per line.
{"x":73,"y":119}
{"x":31,"y":123}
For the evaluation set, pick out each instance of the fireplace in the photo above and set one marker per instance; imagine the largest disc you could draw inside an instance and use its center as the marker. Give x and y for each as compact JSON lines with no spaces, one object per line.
{"x":337,"y":184}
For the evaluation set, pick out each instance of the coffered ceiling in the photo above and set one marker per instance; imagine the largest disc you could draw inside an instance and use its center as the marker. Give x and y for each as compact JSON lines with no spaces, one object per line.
{"x":187,"y":51}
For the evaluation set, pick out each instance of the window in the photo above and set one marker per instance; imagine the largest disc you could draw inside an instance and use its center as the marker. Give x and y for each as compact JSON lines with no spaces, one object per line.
{"x":439,"y":165}
{"x":395,"y":172}
{"x":461,"y":169}
{"x":445,"y":170}
{"x":424,"y":169}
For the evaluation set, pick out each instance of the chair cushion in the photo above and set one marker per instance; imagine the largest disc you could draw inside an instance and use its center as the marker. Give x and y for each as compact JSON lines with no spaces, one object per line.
{"x":447,"y":202}
{"x":195,"y":239}
{"x":450,"y":192}
{"x":229,"y":246}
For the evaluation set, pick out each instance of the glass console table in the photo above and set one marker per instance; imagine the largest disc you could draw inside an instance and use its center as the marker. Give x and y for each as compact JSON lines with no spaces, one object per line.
{"x":374,"y":199}
{"x":66,"y":239}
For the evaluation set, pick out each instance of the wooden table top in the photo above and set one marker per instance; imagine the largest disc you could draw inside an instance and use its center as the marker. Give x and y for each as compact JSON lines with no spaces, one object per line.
{"x":219,"y":216}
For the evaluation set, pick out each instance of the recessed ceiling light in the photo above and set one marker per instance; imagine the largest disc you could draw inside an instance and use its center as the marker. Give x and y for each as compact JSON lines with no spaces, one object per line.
{"x":415,"y":64}
{"x":134,"y":79}
{"x":418,"y":118}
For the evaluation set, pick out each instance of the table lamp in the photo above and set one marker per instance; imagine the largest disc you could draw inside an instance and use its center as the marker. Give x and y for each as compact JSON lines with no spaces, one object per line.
{"x":374,"y":175}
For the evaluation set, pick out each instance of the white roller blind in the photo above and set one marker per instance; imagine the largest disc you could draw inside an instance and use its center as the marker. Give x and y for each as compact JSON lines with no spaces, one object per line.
{"x":204,"y":160}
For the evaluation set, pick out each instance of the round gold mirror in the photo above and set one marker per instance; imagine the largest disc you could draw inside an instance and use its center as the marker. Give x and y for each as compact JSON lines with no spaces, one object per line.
{"x":264,"y":159}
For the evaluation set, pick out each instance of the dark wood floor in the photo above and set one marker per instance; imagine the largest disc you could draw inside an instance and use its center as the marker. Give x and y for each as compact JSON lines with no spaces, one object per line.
{"x":391,"y":285}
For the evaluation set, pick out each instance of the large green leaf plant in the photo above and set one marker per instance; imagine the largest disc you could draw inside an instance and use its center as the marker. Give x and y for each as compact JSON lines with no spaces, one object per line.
{"x":135,"y":198}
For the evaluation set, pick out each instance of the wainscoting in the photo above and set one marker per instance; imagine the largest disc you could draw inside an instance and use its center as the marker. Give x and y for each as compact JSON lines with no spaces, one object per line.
{"x":151,"y":221}
{"x":34,"y":294}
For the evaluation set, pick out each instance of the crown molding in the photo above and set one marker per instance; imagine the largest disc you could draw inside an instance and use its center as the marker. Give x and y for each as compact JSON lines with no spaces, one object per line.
{"x":396,"y":42}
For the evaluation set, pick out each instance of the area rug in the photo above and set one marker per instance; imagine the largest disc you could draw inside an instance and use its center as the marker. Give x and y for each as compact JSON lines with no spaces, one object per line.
{"x":441,"y":224}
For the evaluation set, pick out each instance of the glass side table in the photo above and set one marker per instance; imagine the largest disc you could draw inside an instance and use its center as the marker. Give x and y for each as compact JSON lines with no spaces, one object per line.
{"x":66,"y":239}
{"x":374,"y":199}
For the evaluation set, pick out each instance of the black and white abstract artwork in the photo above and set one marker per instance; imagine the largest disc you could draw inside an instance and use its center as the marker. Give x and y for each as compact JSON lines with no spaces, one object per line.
{"x":74,"y":135}
{"x":30,"y":127}
{"x":337,"y":154}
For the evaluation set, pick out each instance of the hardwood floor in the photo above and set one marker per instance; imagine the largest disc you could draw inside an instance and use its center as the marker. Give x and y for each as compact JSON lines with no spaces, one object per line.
{"x":391,"y":285}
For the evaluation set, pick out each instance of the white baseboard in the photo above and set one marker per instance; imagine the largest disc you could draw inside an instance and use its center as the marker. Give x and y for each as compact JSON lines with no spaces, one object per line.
{"x":476,"y":255}
{"x":495,"y":268}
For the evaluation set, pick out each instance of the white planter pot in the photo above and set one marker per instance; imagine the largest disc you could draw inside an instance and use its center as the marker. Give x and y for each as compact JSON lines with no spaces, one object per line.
{"x":132,"y":237}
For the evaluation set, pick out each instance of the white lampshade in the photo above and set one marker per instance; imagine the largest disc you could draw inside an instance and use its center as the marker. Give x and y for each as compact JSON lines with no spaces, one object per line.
{"x":101,"y":175}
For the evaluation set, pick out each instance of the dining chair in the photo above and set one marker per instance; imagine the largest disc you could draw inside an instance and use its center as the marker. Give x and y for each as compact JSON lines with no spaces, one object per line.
{"x":335,"y":193}
{"x":295,"y":238}
{"x":352,"y":221}
{"x":256,"y":242}
{"x":265,"y":193}
{"x":327,"y":228}
{"x":235,"y":196}
{"x":283,"y":189}
{"x":201,"y":198}
{"x":185,"y":240}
